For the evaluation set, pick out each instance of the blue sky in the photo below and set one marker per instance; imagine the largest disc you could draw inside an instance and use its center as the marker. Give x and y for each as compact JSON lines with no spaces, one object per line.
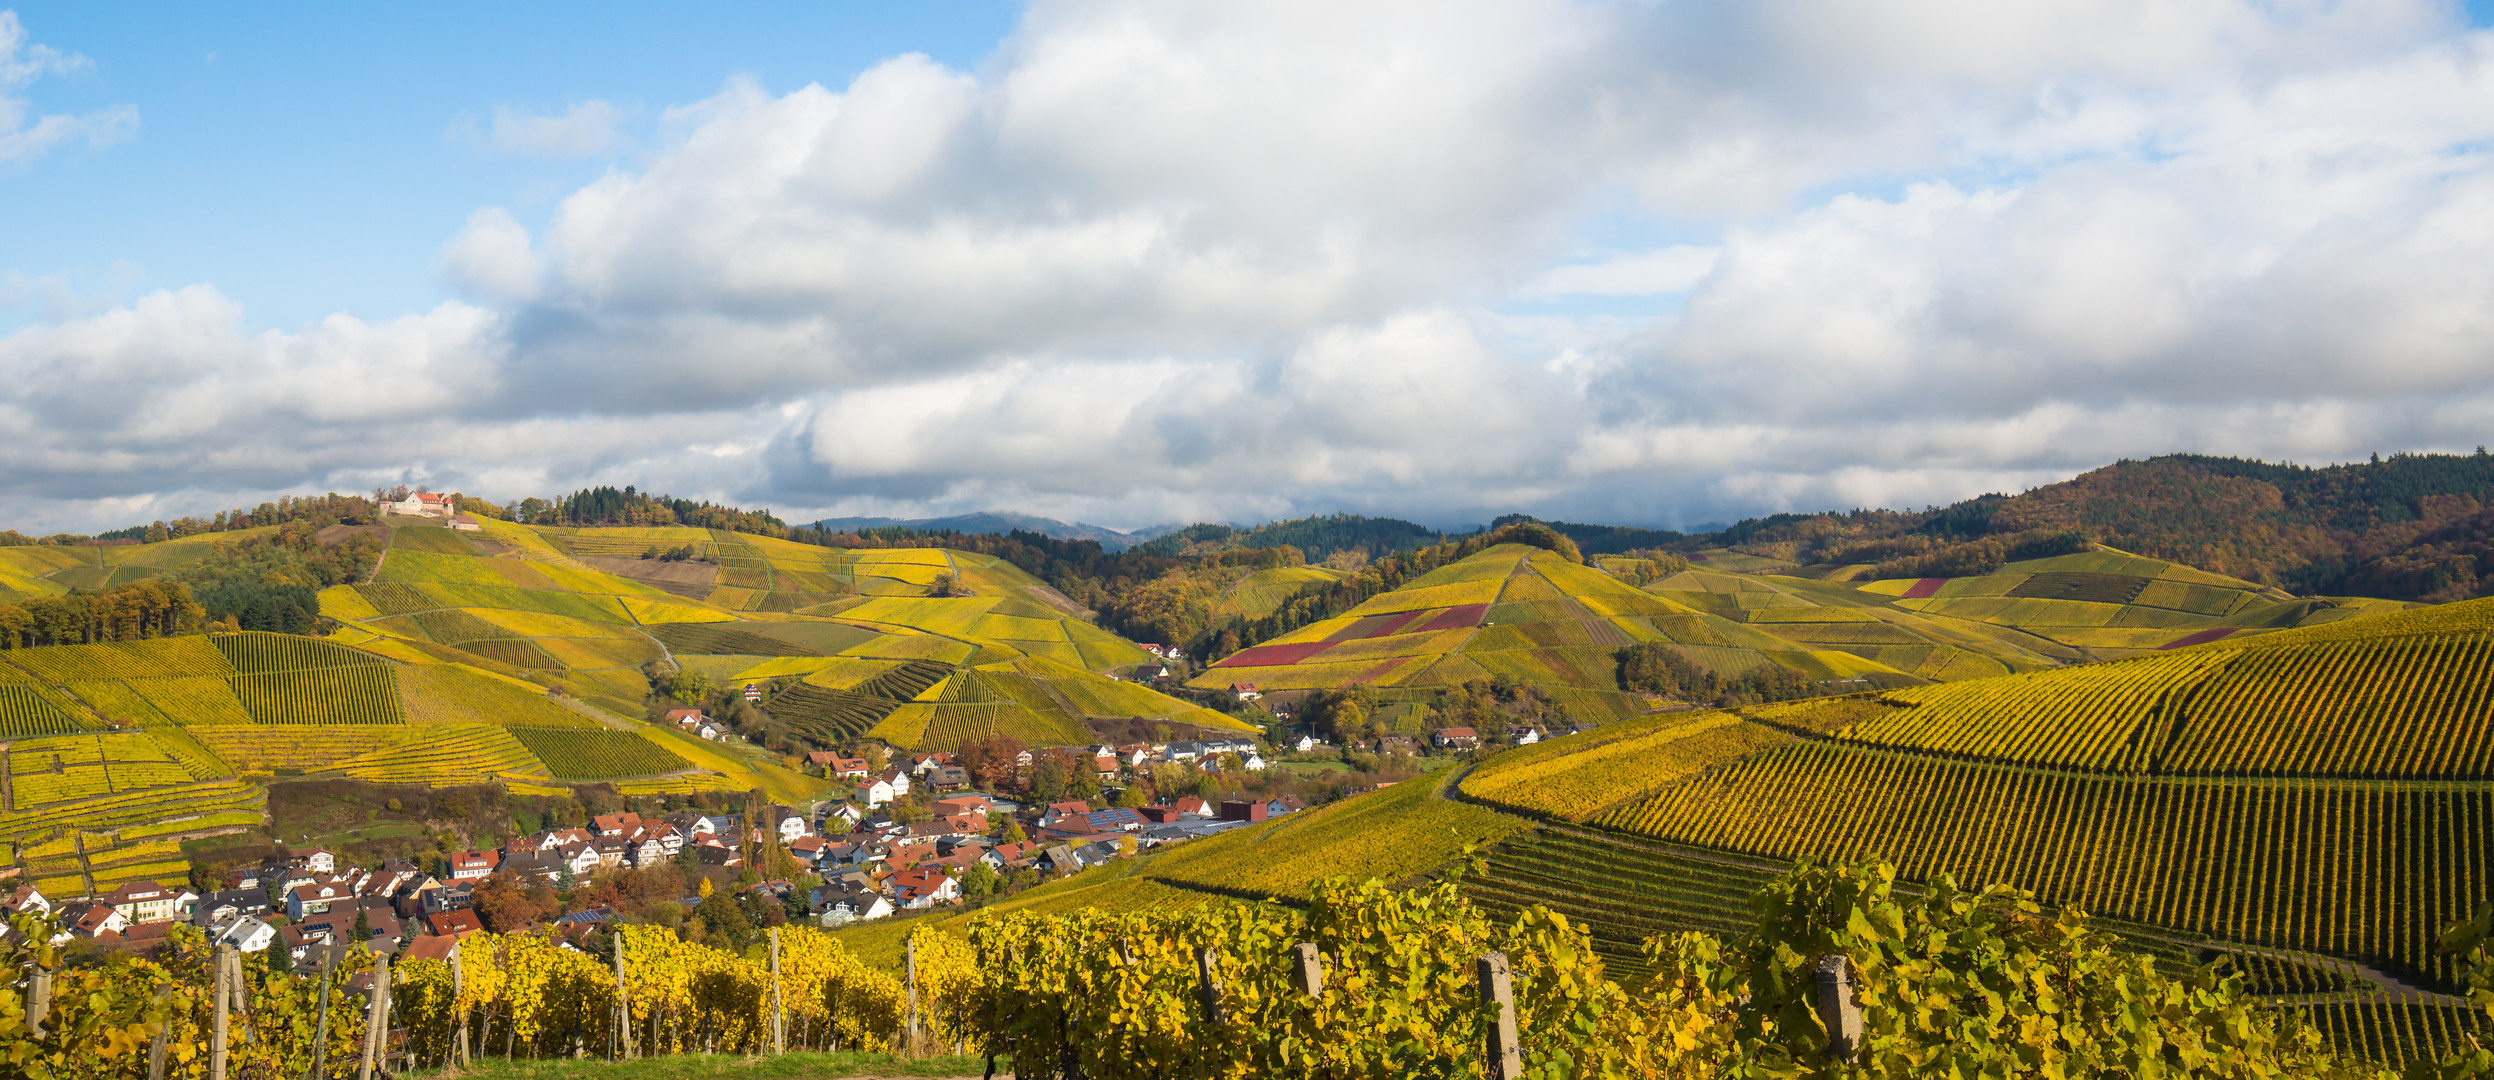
{"x":305,"y":159}
{"x":1134,"y":262}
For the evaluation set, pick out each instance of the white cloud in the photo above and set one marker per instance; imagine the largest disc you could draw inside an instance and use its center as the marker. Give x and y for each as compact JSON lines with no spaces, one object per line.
{"x":586,"y":129}
{"x":1161,"y":261}
{"x":492,"y":257}
{"x":21,"y":64}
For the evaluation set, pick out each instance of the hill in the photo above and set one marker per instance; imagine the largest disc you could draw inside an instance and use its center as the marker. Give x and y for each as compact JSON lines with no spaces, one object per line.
{"x":2308,"y":805}
{"x":2407,"y":527}
{"x":992,"y":523}
{"x":509,"y":655}
{"x":1532,"y":616}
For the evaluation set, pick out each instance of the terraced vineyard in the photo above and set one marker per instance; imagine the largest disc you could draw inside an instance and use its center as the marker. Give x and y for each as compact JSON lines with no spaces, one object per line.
{"x":583,"y":754}
{"x":830,"y":716}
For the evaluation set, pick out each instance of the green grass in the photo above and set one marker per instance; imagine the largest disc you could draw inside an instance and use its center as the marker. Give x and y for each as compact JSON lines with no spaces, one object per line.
{"x":794,"y":1066}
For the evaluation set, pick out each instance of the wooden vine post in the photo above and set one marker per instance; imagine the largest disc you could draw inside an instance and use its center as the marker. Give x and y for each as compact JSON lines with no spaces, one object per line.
{"x":221,"y":994}
{"x":320,"y":1033}
{"x":1506,"y":1059}
{"x":779,"y":1007}
{"x":156,"y":1046}
{"x":377,"y":1027}
{"x":1215,"y":1012}
{"x":623,"y":998}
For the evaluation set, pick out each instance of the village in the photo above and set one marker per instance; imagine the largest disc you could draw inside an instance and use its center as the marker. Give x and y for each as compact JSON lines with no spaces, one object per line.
{"x":915,"y":834}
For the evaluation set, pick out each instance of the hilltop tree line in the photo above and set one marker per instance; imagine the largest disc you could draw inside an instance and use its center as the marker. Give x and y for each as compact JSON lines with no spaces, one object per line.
{"x":2406,"y":527}
{"x":134,"y":612}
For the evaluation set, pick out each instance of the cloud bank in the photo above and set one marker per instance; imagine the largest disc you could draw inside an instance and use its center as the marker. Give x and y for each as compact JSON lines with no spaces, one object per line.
{"x":1171,"y":262}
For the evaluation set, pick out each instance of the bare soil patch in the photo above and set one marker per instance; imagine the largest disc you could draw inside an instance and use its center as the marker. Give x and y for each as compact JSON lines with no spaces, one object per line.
{"x":687,"y":578}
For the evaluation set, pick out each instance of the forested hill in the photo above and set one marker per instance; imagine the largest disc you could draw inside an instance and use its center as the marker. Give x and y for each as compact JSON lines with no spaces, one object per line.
{"x":2406,"y":527}
{"x":1318,"y":538}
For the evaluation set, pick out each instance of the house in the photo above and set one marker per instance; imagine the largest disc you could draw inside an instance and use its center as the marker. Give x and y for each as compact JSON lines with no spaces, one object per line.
{"x":753,"y":693}
{"x":1105,"y":767}
{"x":1455,"y":738}
{"x":1134,"y":756}
{"x":1246,"y":691}
{"x":841,"y":904}
{"x":1191,"y":806}
{"x":1252,"y":762}
{"x":848,"y":768}
{"x":1059,"y":859}
{"x":686,"y":719}
{"x":1114,"y":819}
{"x":1005,"y":856}
{"x":898,"y":778}
{"x":1061,"y":811}
{"x":948,"y":778}
{"x":26,"y":899}
{"x":318,"y":861}
{"x":219,"y":905}
{"x":1529,"y":737}
{"x":842,"y":817}
{"x":1306,"y":743}
{"x":1156,"y":650}
{"x":473,"y":865}
{"x":614,"y":824}
{"x":1244,"y":811}
{"x":92,"y":918}
{"x":918,"y":890}
{"x":430,"y":947}
{"x":464,"y":523}
{"x":243,"y":932}
{"x":922,"y":764}
{"x":304,"y":901}
{"x":963,"y":804}
{"x":789,"y":824}
{"x":612,"y":851}
{"x":452,"y":924}
{"x":422,"y":504}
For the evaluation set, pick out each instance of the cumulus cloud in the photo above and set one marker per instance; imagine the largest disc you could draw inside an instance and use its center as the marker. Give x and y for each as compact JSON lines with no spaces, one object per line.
{"x":1164,"y":261}
{"x":25,"y":136}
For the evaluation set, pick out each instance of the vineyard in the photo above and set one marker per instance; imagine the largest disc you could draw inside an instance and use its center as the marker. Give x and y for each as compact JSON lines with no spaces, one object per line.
{"x":574,"y":753}
{"x":446,"y":756}
{"x":1583,"y":780}
{"x":2398,"y":705}
{"x":2362,"y":870}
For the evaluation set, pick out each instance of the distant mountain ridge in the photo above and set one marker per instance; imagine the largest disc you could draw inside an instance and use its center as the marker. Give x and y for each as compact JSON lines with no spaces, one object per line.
{"x":990,"y":522}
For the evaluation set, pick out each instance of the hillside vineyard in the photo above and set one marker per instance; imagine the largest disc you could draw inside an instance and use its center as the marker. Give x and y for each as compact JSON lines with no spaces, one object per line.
{"x":1618,"y":748}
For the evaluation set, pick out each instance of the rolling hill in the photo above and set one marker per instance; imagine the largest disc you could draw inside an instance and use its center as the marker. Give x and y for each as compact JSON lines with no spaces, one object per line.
{"x":512,"y":655}
{"x":1535,"y":616}
{"x":2308,"y":805}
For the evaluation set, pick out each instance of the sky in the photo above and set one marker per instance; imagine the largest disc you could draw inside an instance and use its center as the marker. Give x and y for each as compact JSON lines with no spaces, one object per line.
{"x":1651,"y":263}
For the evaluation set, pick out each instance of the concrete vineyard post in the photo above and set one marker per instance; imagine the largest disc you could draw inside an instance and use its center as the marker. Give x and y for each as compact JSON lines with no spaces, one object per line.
{"x":1210,"y":983}
{"x":1311,"y":970}
{"x":218,"y":995}
{"x":38,"y":999}
{"x":1506,"y":1060}
{"x":779,"y":1007}
{"x":623,"y":999}
{"x":459,"y":1015}
{"x":240,"y":989}
{"x":1832,"y":999}
{"x":913,"y":990}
